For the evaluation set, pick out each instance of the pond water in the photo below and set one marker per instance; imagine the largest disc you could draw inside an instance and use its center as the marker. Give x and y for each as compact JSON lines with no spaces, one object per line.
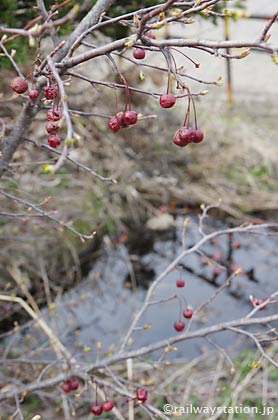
{"x":102,"y":306}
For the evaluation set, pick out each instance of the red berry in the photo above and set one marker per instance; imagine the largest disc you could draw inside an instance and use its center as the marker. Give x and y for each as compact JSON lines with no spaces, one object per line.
{"x":199,"y":135}
{"x":33,"y":94}
{"x":187,"y":134}
{"x":54,"y":140}
{"x":96,"y":409}
{"x":108,"y":405}
{"x":74,"y":384}
{"x":167,"y":100}
{"x":257,"y":302}
{"x":65,"y":386}
{"x":178,"y":141}
{"x":113,"y":124}
{"x":50,"y":92}
{"x":142,"y":394}
{"x":120,"y":119}
{"x":180,"y":283}
{"x":236,"y":245}
{"x":187,"y":313}
{"x":19,"y":85}
{"x":130,"y":117}
{"x":54,"y":114}
{"x":51,"y":127}
{"x":179,"y":325}
{"x":150,"y":35}
{"x":139,"y":53}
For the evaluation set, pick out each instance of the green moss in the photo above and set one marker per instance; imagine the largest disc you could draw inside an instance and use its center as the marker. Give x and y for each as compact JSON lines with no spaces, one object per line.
{"x":31,"y":405}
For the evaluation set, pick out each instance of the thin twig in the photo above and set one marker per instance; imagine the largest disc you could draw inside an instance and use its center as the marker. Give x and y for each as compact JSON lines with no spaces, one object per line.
{"x":47,"y":215}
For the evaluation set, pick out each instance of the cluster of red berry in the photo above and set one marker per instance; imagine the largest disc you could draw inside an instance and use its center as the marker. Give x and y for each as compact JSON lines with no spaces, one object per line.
{"x":122,"y":120}
{"x":185,"y":135}
{"x":182,"y":137}
{"x":70,"y":384}
{"x":108,"y":405}
{"x":179,"y":325}
{"x":97,"y":408}
{"x":51,"y":92}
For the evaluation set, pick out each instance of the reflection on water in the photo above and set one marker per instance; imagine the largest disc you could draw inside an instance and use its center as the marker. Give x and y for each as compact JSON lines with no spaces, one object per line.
{"x":101,"y":308}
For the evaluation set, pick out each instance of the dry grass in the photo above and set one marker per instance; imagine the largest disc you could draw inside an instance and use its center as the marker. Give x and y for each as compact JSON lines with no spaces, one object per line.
{"x":208,"y":381}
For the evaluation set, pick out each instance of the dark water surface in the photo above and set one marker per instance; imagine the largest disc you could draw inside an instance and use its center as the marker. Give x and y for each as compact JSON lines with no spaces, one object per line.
{"x":101,"y":308}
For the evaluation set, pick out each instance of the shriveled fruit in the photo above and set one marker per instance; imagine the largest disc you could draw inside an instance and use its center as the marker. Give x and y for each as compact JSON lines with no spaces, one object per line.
{"x":54,"y":114}
{"x":120,"y":119}
{"x":51,"y":127}
{"x":54,"y":141}
{"x":130,"y":117}
{"x":187,"y":134}
{"x":178,"y":141}
{"x":113,"y":124}
{"x":142,"y":394}
{"x":19,"y":85}
{"x":167,"y":100}
{"x":50,"y":92}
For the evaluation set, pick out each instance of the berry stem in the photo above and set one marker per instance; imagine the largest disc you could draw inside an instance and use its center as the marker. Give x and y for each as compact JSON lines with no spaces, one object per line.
{"x":180,"y":306}
{"x":187,"y":115}
{"x":127,"y":92}
{"x":104,"y":393}
{"x":116,"y":100}
{"x":195,"y":114}
{"x":183,"y":299}
{"x":168,"y":81}
{"x":168,"y":61}
{"x":174,"y":61}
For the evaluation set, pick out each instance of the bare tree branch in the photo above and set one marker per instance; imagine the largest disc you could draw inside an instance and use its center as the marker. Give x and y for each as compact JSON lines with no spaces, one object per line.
{"x":118,"y":357}
{"x":89,"y":20}
{"x":47,"y":215}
